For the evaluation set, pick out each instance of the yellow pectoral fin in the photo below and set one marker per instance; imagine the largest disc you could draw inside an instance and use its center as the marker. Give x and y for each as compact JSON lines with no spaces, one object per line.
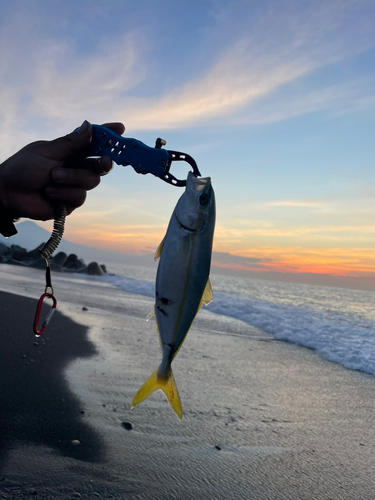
{"x":207,"y":296}
{"x":150,"y":315}
{"x":159,"y":250}
{"x":167,"y":385}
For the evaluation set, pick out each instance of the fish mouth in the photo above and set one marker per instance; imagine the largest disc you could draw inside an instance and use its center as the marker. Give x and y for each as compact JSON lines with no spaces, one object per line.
{"x":198,"y":183}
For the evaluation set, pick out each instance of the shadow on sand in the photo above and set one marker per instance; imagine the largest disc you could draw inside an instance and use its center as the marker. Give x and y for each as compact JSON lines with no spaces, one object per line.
{"x":36,"y":404}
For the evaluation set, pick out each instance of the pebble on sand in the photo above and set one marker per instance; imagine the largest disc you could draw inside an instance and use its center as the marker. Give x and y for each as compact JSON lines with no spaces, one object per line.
{"x":127,"y":425}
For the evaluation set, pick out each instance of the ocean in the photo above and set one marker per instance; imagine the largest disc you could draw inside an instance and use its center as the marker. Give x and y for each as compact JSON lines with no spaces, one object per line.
{"x":338,"y":323}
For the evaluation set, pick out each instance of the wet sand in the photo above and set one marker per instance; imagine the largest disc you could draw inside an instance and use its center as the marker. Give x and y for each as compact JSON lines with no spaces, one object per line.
{"x":262,"y":419}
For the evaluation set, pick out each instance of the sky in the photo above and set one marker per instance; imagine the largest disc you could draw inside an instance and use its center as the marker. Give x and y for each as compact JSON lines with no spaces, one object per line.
{"x":275,"y":101}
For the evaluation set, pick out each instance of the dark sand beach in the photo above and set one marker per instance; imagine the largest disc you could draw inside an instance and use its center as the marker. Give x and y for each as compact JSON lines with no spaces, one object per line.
{"x":262,"y":419}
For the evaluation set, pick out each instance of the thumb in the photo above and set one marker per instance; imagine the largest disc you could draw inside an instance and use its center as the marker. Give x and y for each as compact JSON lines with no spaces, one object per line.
{"x":66,"y":146}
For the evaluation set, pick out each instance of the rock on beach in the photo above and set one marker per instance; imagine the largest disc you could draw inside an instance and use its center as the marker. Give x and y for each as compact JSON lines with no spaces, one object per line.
{"x":17,"y":255}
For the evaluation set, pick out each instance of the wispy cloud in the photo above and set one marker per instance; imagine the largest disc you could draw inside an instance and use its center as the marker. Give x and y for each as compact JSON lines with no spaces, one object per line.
{"x":270,"y":50}
{"x":294,"y":203}
{"x":126,"y":238}
{"x":234,"y":81}
{"x":46,"y":85}
{"x":335,"y":100}
{"x":229,"y":259}
{"x":355,"y":201}
{"x":74,"y":86}
{"x":276,"y":49}
{"x":352,"y":261}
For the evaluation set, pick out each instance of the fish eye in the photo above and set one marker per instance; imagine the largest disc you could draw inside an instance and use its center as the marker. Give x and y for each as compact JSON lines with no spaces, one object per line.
{"x":204,"y":200}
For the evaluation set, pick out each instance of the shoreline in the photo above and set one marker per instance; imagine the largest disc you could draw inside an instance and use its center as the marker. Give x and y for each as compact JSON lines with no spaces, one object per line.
{"x":261,"y":419}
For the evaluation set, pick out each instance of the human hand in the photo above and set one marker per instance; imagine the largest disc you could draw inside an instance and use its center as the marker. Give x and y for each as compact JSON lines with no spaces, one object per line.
{"x":44,"y":172}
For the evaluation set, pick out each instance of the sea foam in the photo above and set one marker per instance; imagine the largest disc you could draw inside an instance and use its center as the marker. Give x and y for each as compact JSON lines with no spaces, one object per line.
{"x":338,"y":323}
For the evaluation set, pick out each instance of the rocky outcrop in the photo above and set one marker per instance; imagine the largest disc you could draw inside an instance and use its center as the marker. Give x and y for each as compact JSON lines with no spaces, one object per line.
{"x":71,"y":261}
{"x":80,"y":266}
{"x":18,"y":253}
{"x":94,"y":269}
{"x":60,"y":258}
{"x":62,"y":262}
{"x":3,"y":252}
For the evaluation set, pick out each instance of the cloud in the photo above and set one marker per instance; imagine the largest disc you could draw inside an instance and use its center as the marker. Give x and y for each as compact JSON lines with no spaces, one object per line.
{"x":279,"y":49}
{"x":229,"y":258}
{"x":75,"y":87}
{"x":294,"y":203}
{"x":235,"y":80}
{"x":297,"y":100}
{"x":262,"y":53}
{"x":8,"y":106}
{"x":355,"y":202}
{"x":47,"y":85}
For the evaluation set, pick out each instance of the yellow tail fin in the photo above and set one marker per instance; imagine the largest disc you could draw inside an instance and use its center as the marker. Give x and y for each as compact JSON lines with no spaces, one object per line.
{"x":167,"y":385}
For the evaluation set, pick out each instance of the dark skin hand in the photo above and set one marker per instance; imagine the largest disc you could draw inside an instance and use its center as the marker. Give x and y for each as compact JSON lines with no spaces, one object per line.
{"x":45,"y":172}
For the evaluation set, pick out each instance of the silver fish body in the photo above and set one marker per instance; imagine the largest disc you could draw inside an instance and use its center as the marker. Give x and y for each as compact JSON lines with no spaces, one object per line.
{"x":182,"y":281}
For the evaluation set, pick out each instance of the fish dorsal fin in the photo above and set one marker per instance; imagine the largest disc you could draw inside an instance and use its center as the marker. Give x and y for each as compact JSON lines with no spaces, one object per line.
{"x":207,"y":296}
{"x":159,"y":250}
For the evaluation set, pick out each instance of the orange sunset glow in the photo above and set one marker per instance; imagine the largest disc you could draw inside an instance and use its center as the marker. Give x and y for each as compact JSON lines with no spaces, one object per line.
{"x":140,"y":239}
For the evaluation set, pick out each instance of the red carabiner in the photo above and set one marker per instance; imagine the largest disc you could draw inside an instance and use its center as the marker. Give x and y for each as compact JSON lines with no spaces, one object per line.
{"x":49,"y":315}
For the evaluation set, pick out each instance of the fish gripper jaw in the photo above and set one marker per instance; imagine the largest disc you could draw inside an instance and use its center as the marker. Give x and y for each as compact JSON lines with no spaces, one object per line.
{"x":144,"y":159}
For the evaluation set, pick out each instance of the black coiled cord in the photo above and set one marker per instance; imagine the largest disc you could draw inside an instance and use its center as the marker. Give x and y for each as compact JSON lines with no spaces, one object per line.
{"x":46,"y":252}
{"x":57,"y":233}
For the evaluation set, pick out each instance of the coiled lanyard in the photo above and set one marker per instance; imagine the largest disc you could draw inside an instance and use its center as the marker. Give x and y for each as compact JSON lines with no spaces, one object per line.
{"x":46,"y":252}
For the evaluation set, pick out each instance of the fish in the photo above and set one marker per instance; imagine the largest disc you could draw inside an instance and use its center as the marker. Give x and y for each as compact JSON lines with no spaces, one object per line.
{"x":182,"y":281}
